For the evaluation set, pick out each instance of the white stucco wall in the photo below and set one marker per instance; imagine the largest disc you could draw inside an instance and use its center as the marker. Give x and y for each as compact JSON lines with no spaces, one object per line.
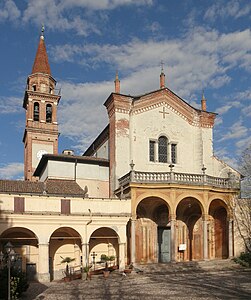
{"x":194,"y":144}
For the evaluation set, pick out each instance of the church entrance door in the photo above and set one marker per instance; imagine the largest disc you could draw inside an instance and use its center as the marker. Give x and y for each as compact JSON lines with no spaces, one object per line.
{"x":164,"y":245}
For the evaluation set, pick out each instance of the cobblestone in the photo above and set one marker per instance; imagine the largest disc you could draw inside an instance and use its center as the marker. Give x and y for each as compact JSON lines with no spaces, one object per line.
{"x":197,"y":284}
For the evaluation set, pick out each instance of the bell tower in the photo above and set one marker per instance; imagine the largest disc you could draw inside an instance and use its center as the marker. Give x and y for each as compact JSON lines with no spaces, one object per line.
{"x":40,"y":102}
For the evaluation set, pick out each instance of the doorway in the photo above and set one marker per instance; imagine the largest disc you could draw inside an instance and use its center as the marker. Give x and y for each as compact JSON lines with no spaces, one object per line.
{"x":164,"y":244}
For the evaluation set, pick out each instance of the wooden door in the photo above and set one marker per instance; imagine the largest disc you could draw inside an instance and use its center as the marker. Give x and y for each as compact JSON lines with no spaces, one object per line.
{"x":221,"y":232}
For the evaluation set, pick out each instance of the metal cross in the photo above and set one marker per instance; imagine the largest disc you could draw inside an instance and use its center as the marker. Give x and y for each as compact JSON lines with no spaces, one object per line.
{"x":164,"y":112}
{"x":162,"y":65}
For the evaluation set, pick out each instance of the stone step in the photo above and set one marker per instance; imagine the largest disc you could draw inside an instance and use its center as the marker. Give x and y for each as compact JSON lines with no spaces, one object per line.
{"x":190,"y":266}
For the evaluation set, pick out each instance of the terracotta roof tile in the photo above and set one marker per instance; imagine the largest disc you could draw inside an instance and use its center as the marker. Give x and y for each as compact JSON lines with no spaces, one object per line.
{"x":41,"y":62}
{"x":51,"y":187}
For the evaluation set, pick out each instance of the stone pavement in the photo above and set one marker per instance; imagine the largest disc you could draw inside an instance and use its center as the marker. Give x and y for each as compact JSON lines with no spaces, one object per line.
{"x":155,"y":282}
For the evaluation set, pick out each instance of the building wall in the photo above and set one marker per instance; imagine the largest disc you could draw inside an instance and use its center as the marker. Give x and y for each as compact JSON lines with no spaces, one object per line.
{"x":49,"y":234}
{"x":103,"y":151}
{"x":93,"y":178}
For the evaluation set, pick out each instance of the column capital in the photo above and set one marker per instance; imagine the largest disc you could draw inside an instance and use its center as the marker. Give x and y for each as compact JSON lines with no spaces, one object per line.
{"x":172,"y":217}
{"x":43,"y":244}
{"x":205,"y":217}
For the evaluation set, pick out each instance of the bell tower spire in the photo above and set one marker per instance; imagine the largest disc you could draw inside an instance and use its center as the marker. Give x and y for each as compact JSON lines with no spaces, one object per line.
{"x":40,"y":102}
{"x":41,"y":62}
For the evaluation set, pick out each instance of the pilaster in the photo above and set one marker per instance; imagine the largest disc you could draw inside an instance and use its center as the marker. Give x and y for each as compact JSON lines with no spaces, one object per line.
{"x":43,"y":263}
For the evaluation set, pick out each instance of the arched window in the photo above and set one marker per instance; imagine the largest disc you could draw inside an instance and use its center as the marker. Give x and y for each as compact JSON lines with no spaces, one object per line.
{"x":48,"y":113}
{"x":162,"y":141}
{"x":36,"y":112}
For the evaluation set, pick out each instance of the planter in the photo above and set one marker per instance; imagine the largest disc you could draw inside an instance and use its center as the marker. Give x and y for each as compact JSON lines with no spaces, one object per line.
{"x":67,"y":279}
{"x":106,"y":273}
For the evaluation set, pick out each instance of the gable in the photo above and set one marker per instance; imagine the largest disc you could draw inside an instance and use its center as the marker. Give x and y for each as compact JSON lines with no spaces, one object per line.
{"x":168,"y":101}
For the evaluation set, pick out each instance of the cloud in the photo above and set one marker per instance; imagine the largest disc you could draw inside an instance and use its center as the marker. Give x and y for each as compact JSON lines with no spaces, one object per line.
{"x":82,"y":102}
{"x":82,"y":16}
{"x":82,"y":111}
{"x":242,"y":144}
{"x":223,"y":154}
{"x":9,"y":11}
{"x":102,"y":4}
{"x":234,"y":9}
{"x":225,"y":108}
{"x":213,"y":55}
{"x":11,"y":171}
{"x":154,"y":27}
{"x":9,"y":105}
{"x":236,"y":131}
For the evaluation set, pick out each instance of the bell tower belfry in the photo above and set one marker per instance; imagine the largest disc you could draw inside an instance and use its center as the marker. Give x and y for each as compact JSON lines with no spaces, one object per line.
{"x":40,"y":102}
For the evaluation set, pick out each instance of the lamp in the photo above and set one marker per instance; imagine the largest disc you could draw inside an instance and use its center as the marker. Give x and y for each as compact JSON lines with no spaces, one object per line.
{"x":8,"y":257}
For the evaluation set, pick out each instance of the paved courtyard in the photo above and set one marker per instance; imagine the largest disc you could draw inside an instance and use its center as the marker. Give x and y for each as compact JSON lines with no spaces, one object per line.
{"x":155,"y":284}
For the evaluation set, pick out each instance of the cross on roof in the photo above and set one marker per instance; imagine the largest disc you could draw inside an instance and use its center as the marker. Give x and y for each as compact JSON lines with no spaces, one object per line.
{"x":164,"y":112}
{"x":162,"y":65}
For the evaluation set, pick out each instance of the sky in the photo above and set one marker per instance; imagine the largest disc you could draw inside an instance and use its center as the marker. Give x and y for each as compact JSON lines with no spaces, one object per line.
{"x":203,"y":44}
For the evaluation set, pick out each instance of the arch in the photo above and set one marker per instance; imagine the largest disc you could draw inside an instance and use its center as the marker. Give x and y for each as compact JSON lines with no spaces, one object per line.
{"x":162,"y":149}
{"x":64,"y":242}
{"x":104,"y":241}
{"x":156,"y":195}
{"x":48,"y":113}
{"x":36,"y":111}
{"x":189,"y":213}
{"x":25,"y":243}
{"x":218,"y":220}
{"x":152,"y":230}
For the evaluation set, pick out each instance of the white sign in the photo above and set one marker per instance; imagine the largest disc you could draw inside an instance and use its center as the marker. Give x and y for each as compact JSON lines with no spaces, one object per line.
{"x":182,"y":247}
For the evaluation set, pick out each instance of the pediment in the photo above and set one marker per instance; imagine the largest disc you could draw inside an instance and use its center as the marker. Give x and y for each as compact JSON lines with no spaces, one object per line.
{"x":166,"y":100}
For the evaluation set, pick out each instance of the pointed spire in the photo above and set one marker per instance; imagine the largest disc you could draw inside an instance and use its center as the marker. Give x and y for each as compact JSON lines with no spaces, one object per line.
{"x":41,"y":62}
{"x":117,"y":83}
{"x":203,"y":102}
{"x":162,"y":76}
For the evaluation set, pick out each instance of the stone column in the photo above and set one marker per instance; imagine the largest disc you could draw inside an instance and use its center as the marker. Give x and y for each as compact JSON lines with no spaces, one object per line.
{"x":43,"y":263}
{"x":121,"y":256}
{"x":85,"y":254}
{"x":205,"y":238}
{"x":133,"y":240}
{"x":173,"y":238}
{"x":230,"y":238}
{"x":77,"y":254}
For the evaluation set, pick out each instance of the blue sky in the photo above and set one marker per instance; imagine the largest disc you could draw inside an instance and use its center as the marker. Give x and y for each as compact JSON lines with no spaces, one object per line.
{"x":205,"y":45}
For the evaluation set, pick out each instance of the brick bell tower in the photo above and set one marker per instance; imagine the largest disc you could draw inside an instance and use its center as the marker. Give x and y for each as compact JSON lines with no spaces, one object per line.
{"x":40,"y":102}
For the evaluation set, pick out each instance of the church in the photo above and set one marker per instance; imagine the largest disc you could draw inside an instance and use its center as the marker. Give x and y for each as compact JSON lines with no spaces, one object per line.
{"x":147,"y":190}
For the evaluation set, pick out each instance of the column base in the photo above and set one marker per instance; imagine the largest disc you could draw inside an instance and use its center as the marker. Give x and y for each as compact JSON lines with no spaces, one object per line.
{"x":43,"y":277}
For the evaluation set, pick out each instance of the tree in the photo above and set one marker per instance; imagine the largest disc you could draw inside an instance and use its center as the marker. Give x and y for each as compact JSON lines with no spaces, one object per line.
{"x":67,"y":260}
{"x":242,"y":206}
{"x":245,"y":168}
{"x":242,"y":215}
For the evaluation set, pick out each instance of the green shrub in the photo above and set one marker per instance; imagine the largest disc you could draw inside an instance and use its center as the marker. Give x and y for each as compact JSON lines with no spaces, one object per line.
{"x":244,"y":259}
{"x":18,"y":283}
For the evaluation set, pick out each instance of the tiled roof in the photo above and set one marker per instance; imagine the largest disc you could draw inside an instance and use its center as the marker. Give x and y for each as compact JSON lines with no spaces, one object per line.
{"x":50,"y":187}
{"x":41,"y":63}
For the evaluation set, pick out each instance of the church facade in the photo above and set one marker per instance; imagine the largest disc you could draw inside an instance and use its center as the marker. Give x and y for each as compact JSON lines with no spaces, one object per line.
{"x":148,"y":189}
